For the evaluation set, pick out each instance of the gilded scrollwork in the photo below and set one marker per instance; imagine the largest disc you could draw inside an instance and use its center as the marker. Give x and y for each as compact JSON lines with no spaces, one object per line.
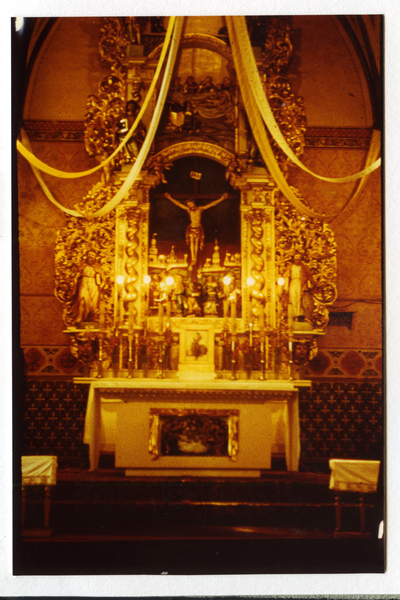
{"x":256,"y":218}
{"x":113,"y":40}
{"x":193,"y":432}
{"x":197,"y":148}
{"x":277,"y":48}
{"x":308,"y":243}
{"x":118,"y":34}
{"x":290,"y":115}
{"x":85,"y":250}
{"x":273,"y":35}
{"x":103,"y":114}
{"x":133,"y":215}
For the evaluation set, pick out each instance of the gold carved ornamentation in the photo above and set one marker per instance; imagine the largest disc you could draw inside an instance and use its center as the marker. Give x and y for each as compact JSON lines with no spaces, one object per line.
{"x":113,"y":40}
{"x":103,"y":114}
{"x":200,"y":40}
{"x":205,"y":149}
{"x":84,"y":261}
{"x":257,"y":218}
{"x":290,"y":115}
{"x":277,"y":49}
{"x":133,"y":215}
{"x":313,"y":242}
{"x":193,"y":432}
{"x":304,"y":350}
{"x":273,"y":34}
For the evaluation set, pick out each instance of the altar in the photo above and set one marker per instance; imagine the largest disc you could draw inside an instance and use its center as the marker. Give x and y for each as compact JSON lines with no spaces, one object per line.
{"x":173,"y":428}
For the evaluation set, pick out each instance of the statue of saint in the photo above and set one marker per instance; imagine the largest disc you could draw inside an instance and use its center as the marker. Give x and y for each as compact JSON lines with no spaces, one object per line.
{"x":89,"y":282}
{"x":299,"y":283}
{"x":195,"y":231}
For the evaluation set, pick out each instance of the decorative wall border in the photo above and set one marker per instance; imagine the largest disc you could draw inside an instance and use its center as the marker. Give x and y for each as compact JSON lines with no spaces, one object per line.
{"x":344,"y":363}
{"x":337,"y":363}
{"x":55,"y":131}
{"x":315,"y":137}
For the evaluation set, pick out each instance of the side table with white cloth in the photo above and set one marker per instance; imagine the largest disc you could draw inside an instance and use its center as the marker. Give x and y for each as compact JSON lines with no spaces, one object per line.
{"x":39,"y":470}
{"x":353,"y":476}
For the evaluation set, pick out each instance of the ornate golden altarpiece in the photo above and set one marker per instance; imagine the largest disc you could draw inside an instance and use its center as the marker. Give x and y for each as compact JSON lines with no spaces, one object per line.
{"x":165,"y":322}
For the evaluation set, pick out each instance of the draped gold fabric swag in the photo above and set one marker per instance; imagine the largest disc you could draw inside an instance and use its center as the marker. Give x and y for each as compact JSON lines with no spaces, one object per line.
{"x":174,"y":31}
{"x":258,"y":111}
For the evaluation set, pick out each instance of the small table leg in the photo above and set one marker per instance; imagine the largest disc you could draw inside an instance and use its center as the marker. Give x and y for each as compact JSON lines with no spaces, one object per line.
{"x":362,"y":513}
{"x":47,"y":503}
{"x":23,"y":507}
{"x":338,"y":512}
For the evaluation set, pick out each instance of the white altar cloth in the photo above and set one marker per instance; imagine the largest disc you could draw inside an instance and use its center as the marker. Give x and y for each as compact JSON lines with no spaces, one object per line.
{"x":354,"y":475}
{"x":39,"y":470}
{"x":100,"y":419}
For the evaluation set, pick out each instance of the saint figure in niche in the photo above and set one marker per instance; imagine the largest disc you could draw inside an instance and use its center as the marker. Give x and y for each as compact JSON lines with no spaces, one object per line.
{"x":89,"y":283}
{"x":299,"y":283}
{"x":195,"y":231}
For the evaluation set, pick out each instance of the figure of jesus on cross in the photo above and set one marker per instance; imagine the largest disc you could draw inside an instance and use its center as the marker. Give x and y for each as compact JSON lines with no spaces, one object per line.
{"x":195,"y":231}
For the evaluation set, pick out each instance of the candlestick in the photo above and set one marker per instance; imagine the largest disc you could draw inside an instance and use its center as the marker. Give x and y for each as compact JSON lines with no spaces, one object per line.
{"x":160,"y":316}
{"x":168,"y":311}
{"x":250,"y":283}
{"x":226,"y":281}
{"x":262,"y":318}
{"x":131,"y":318}
{"x":121,"y":354}
{"x":169,"y":283}
{"x":121,"y":309}
{"x":233,"y":313}
{"x":119,"y":303}
{"x":102,"y":315}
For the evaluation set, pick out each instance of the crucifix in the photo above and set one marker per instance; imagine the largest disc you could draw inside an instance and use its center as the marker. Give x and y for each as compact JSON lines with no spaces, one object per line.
{"x":195,"y":231}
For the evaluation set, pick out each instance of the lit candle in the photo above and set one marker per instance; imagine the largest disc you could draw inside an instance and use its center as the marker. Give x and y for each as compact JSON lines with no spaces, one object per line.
{"x":226,"y":281}
{"x":161,"y":308}
{"x":120,"y":310}
{"x":160,"y":316}
{"x":170,"y":282}
{"x":146,"y":280}
{"x":251,"y":334}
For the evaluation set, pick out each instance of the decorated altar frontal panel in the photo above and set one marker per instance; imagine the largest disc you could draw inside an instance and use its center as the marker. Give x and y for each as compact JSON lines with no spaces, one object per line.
{"x":171,"y":425}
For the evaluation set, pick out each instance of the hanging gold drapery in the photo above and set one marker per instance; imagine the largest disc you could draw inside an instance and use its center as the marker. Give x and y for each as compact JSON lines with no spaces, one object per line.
{"x":174,"y":30}
{"x":259,"y":112}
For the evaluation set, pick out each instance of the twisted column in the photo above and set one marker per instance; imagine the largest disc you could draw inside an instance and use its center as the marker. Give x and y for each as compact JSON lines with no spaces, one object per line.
{"x":132,"y":258}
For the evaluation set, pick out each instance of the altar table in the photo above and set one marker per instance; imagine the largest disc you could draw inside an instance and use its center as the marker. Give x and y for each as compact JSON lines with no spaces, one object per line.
{"x":119,"y":410}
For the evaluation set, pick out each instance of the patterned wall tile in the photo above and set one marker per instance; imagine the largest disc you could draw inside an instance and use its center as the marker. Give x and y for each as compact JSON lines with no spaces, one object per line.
{"x":54,"y":418}
{"x":41,"y":320}
{"x":342,"y":420}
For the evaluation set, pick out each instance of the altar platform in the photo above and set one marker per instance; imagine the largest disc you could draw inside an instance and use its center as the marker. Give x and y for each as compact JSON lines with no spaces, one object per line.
{"x":281,"y":522}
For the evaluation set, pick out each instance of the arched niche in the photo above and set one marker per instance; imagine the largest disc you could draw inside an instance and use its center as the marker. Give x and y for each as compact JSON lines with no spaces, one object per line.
{"x":203,"y":179}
